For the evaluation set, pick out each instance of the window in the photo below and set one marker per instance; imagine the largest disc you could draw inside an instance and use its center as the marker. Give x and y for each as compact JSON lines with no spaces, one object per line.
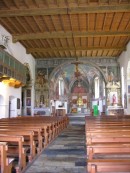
{"x":96,"y":82}
{"x":61,"y":86}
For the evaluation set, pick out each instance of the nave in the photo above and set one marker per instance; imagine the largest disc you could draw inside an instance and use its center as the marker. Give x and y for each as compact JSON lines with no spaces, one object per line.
{"x":66,"y":154}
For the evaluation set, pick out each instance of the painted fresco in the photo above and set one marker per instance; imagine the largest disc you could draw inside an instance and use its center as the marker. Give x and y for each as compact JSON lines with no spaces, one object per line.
{"x":108,"y":72}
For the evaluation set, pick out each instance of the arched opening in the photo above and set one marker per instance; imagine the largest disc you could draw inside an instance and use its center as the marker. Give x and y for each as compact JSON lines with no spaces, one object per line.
{"x":79,"y":91}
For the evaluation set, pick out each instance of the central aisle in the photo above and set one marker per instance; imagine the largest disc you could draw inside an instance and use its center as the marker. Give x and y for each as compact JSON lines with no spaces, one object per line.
{"x":66,"y":154}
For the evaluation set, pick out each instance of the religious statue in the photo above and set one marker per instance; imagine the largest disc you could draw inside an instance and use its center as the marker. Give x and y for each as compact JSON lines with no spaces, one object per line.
{"x":80,"y":101}
{"x":114,"y":101}
{"x":41,"y":80}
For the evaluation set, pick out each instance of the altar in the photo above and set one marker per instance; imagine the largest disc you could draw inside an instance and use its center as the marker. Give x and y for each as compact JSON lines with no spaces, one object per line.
{"x":44,"y":111}
{"x":79,"y":104}
{"x":115,"y":110}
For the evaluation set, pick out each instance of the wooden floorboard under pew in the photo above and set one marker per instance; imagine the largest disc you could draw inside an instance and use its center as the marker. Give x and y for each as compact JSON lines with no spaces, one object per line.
{"x":19,"y":149}
{"x":5,"y":162}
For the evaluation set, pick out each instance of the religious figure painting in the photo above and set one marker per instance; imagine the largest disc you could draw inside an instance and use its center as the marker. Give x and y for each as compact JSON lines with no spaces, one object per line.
{"x":28,"y":93}
{"x":128,"y":89}
{"x":28,"y":111}
{"x":113,"y":98}
{"x":28,"y":102}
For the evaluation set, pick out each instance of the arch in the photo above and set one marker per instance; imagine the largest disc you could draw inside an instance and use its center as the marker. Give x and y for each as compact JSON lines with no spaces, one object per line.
{"x":60,"y":67}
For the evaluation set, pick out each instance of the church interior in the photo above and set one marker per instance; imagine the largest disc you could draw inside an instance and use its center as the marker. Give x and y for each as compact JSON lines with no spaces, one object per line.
{"x":65,"y":86}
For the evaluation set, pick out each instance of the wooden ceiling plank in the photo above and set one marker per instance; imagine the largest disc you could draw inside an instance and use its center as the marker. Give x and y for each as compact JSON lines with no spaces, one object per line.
{"x":120,"y":21}
{"x":104,"y":21}
{"x":5,"y":24}
{"x":37,"y":3}
{"x":68,"y":34}
{"x":47,"y":3}
{"x":26,"y":3}
{"x":72,"y":30}
{"x":40,"y":29}
{"x":57,"y":1}
{"x":6,"y":4}
{"x":13,"y":23}
{"x":56,"y":11}
{"x":128,"y":24}
{"x":95,"y":21}
{"x":119,"y":1}
{"x":88,"y":21}
{"x":19,"y":23}
{"x":112,"y":21}
{"x":78,"y":2}
{"x":31,"y":50}
{"x":54,"y":24}
{"x":30,"y":26}
{"x":16,"y":3}
{"x":47,"y":28}
{"x":61,"y":21}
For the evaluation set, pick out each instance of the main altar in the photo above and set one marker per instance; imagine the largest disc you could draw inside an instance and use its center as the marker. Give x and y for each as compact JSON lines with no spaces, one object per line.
{"x":79,"y":103}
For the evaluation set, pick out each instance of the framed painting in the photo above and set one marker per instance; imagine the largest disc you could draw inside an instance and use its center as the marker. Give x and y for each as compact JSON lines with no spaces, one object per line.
{"x":28,"y":111}
{"x":28,"y":102}
{"x":28,"y":93}
{"x":128,"y":89}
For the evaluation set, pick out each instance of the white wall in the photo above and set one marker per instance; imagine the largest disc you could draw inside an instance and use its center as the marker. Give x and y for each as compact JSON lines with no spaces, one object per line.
{"x":123,"y":60}
{"x":19,"y":52}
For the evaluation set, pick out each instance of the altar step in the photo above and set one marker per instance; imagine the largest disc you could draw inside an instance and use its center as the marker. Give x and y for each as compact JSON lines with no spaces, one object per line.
{"x":77,"y":119}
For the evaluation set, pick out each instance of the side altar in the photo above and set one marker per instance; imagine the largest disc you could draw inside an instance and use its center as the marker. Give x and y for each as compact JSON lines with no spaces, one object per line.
{"x":114,"y":106}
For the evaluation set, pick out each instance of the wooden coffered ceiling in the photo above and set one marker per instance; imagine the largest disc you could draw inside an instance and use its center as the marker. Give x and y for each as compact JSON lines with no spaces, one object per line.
{"x":68,"y":28}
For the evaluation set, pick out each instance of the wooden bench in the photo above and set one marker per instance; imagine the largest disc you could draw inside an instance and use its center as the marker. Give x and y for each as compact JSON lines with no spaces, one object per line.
{"x":37,"y":133}
{"x":29,"y":143}
{"x":5,"y":162}
{"x":119,"y":149}
{"x":108,"y":165}
{"x":105,"y":138}
{"x":19,"y":151}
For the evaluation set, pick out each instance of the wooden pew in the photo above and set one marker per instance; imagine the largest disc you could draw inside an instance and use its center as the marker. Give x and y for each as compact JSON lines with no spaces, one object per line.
{"x":28,"y":143}
{"x":51,"y":123}
{"x":19,"y":150}
{"x":108,"y":165}
{"x":5,"y":162}
{"x":37,"y":132}
{"x":104,"y":149}
{"x":105,"y":137}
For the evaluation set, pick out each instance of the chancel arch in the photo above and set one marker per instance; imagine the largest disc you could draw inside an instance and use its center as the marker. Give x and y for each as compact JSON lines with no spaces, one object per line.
{"x":78,"y":77}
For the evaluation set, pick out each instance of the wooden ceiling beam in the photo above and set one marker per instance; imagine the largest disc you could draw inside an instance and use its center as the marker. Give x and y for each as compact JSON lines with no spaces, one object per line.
{"x":70,"y":10}
{"x":33,"y":50}
{"x":68,"y":34}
